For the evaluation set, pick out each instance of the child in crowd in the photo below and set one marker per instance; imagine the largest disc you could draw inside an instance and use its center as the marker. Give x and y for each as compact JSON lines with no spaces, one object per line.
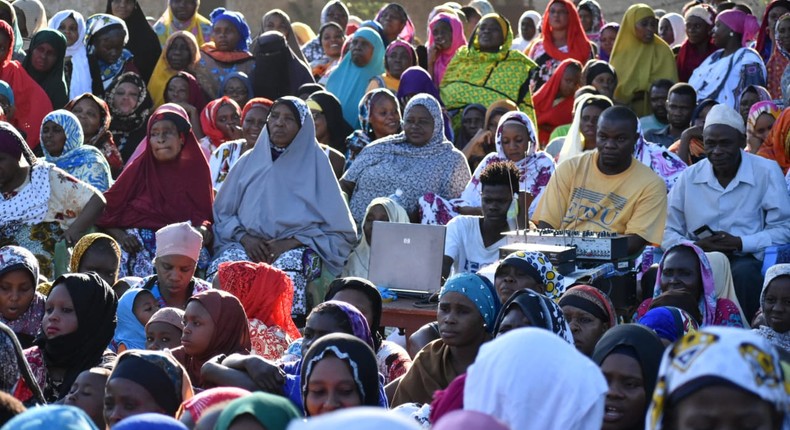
{"x":135,"y":309}
{"x":87,"y":393}
{"x":164,"y":329}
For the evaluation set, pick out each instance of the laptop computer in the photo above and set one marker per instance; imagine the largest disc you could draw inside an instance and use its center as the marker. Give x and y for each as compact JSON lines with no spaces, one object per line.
{"x":407,"y":258}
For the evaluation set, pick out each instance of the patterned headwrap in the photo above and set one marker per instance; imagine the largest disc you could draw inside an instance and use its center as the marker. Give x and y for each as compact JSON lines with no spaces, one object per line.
{"x":592,"y":301}
{"x":18,"y":258}
{"x":669,"y":322}
{"x":707,"y":304}
{"x":101,"y":23}
{"x":539,"y":268}
{"x":719,"y":355}
{"x":359,"y":325}
{"x":206,"y":399}
{"x":208,"y":119}
{"x":759,"y":108}
{"x":541,"y":312}
{"x":84,"y":243}
{"x":480,"y":291}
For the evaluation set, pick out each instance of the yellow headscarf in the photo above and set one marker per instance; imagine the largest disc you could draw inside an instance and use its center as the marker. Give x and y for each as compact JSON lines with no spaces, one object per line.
{"x":639,"y":64}
{"x":82,"y":246}
{"x":163,"y":72}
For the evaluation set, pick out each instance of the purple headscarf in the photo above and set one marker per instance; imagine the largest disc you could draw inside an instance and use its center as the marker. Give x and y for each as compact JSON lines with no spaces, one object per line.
{"x":416,"y":80}
{"x":740,"y":22}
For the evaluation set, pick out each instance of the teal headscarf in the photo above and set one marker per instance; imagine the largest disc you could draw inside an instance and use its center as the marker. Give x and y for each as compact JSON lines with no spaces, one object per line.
{"x":272,"y":411}
{"x":480,"y":291}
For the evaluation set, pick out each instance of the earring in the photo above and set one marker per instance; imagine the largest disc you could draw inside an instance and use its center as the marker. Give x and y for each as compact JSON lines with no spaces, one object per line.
{"x":732,"y":34}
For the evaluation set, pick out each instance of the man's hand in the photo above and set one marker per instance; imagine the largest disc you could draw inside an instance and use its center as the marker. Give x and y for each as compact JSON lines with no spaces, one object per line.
{"x":721,"y":241}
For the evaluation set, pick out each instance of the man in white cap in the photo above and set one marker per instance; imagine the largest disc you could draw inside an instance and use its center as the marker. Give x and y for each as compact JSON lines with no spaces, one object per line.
{"x":732,"y":202}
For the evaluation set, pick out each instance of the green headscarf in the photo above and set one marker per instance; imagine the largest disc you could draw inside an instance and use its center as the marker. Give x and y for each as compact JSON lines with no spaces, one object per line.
{"x":271,"y":411}
{"x":54,"y":81}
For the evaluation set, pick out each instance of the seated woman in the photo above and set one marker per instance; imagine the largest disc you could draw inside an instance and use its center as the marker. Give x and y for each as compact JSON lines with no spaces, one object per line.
{"x":183,"y":15}
{"x":669,"y":323}
{"x":95,"y":118}
{"x":589,"y":313}
{"x":260,"y":409}
{"x":106,"y":38}
{"x":62,"y":142}
{"x":526,"y":308}
{"x":77,"y":73}
{"x":350,"y":79}
{"x":130,"y":107}
{"x":97,"y":252}
{"x":145,"y":381}
{"x":143,"y":40}
{"x":698,"y":45}
{"x":562,"y":37}
{"x":135,"y":308}
{"x":395,"y":24}
{"x":45,"y":64}
{"x":583,"y":134}
{"x":471,"y":122}
{"x":487,"y":70}
{"x":482,"y":143}
{"x":606,"y":42}
{"x":253,"y":119}
{"x":260,"y":211}
{"x":685,"y":266}
{"x":734,"y":66}
{"x":228,"y":51}
{"x":774,"y":147}
{"x":278,"y":20}
{"x":180,"y":54}
{"x":220,"y":122}
{"x":164,"y":329}
{"x":21,"y":306}
{"x":600,"y":75}
{"x":339,"y":371}
{"x":780,"y":57}
{"x":640,"y":59}
{"x":527,"y":270}
{"x":749,"y":96}
{"x":379,"y":117}
{"x":78,"y":326}
{"x":40,"y":203}
{"x":591,"y":17}
{"x":418,"y":161}
{"x":467,"y":311}
{"x":169,"y":181}
{"x":266,"y":294}
{"x":445,"y":37}
{"x":629,"y":356}
{"x":331,"y":129}
{"x":722,"y":385}
{"x":380,"y":209}
{"x":776,"y":291}
{"x":759,"y":123}
{"x":278,"y":70}
{"x":237,"y":86}
{"x":398,"y":57}
{"x":183,"y":90}
{"x":415,"y":80}
{"x":332,"y":39}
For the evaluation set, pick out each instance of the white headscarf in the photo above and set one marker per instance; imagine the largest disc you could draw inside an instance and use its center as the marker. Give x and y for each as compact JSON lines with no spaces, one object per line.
{"x":722,"y":277}
{"x":574,"y":141}
{"x":510,"y":381}
{"x":678,"y":27}
{"x":520,"y":43}
{"x":80,"y":71}
{"x":359,"y":260}
{"x":359,"y":418}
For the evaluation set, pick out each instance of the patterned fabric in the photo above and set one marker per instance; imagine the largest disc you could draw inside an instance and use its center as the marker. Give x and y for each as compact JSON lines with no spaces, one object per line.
{"x":776,"y":66}
{"x":159,"y":374}
{"x":102,"y":22}
{"x":541,"y":312}
{"x":660,"y":160}
{"x":208,"y":121}
{"x":103,"y":138}
{"x":669,"y":323}
{"x":393,"y":361}
{"x":84,"y":162}
{"x":757,"y":109}
{"x":724,"y":78}
{"x":129,"y":129}
{"x":167,"y":24}
{"x":780,"y":340}
{"x":444,"y":57}
{"x":28,"y":323}
{"x":361,"y":137}
{"x":222,"y":159}
{"x":535,"y":263}
{"x":598,"y":20}
{"x":593,"y":299}
{"x":84,"y":244}
{"x":208,"y":398}
{"x":313,"y":51}
{"x":720,"y":355}
{"x":480,"y":291}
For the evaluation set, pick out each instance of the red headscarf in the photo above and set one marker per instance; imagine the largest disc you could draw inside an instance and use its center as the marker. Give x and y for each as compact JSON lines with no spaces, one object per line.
{"x":253,"y":103}
{"x":208,"y":119}
{"x":551,"y":116}
{"x":195,"y":93}
{"x":32,"y":103}
{"x":579,"y":47}
{"x":152,"y":194}
{"x":762,"y":36}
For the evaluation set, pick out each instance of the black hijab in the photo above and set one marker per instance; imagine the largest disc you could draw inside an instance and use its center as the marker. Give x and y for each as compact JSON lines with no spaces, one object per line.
{"x":338,"y":128}
{"x":129,"y":130}
{"x":278,"y":72}
{"x":369,"y":290}
{"x":143,"y":41}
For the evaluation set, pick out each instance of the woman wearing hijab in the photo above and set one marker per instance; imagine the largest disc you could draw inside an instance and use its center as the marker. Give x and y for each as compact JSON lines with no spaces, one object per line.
{"x":590,"y":313}
{"x":591,"y":17}
{"x":184,"y":16}
{"x":160,"y":187}
{"x":749,"y":96}
{"x":97,"y":252}
{"x":33,"y":15}
{"x":278,"y":71}
{"x":462,"y":330}
{"x":331,"y":38}
{"x":220,"y":121}
{"x":110,"y":61}
{"x":130,"y":107}
{"x":698,"y":45}
{"x":766,"y":36}
{"x":31,"y":103}
{"x":721,"y":376}
{"x":487,"y":70}
{"x":263,"y":409}
{"x":278,"y":20}
{"x":629,"y":356}
{"x":23,"y":306}
{"x":51,"y":416}
{"x":72,"y":24}
{"x":398,"y":57}
{"x":331,"y":128}
{"x":8,"y":14}
{"x":63,"y":349}
{"x":672,"y":29}
{"x":554,"y":100}
{"x":62,"y":143}
{"x":256,"y":222}
{"x":395,"y":23}
{"x":15,"y":365}
{"x":142,"y":38}
{"x":446,"y":36}
{"x":334,"y":11}
{"x":415,"y":80}
{"x":180,"y":53}
{"x":380,"y":209}
{"x":773,"y":300}
{"x":780,"y":57}
{"x":734,"y":66}
{"x":237,"y":86}
{"x":582,"y":135}
{"x":193,"y":409}
{"x":608,"y":36}
{"x":640,"y":58}
{"x":269,"y":314}
{"x":759,"y":123}
{"x":529,"y":25}
{"x":669,"y":323}
{"x":522,"y":406}
{"x":154,"y":380}
{"x":95,"y":119}
{"x":526,"y":308}
{"x":363,"y":61}
{"x":379,"y":117}
{"x":52,"y":79}
{"x":228,"y":52}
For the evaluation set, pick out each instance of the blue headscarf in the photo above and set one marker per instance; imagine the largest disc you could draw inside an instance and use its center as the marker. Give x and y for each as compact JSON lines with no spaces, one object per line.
{"x":243,"y":78}
{"x":129,"y":330}
{"x":51,"y":417}
{"x":348,"y":82}
{"x":84,"y":162}
{"x":480,"y":291}
{"x":669,"y":322}
{"x":5,"y":90}
{"x":237,"y":19}
{"x":149,"y":421}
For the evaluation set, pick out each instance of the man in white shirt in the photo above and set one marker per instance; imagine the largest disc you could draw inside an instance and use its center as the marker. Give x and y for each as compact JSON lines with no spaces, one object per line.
{"x":732,"y":202}
{"x":474,"y":241}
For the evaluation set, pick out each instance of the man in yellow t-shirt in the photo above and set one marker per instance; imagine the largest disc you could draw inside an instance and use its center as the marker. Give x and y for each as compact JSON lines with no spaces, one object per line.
{"x":608,"y":189}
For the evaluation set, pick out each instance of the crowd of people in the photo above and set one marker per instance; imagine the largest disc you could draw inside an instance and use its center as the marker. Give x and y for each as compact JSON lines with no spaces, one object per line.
{"x":187,"y":208}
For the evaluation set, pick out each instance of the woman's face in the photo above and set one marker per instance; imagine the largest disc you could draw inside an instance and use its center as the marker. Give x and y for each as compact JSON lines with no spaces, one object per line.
{"x":332,"y":41}
{"x":331,"y":387}
{"x":587,"y":20}
{"x":125,"y":99}
{"x":225,"y":35}
{"x":69,"y":29}
{"x":510,"y":279}
{"x":589,"y":121}
{"x":183,"y":10}
{"x":665,"y":31}
{"x":177,"y":91}
{"x":227,"y":118}
{"x":384,"y":117}
{"x":773,"y":16}
{"x":761,"y":129}
{"x":528,"y":29}
{"x":166,"y":142}
{"x":605,"y":83}
{"x":124,"y":398}
{"x":443,"y":35}
{"x":489,"y":35}
{"x":275,"y":22}
{"x":376,"y":213}
{"x":515,"y":141}
{"x":338,"y":15}
{"x":776,"y":306}
{"x":493,"y":121}
{"x":722,"y":407}
{"x":361,"y":51}
{"x":514,"y":318}
{"x":626,"y":399}
{"x":321,"y":130}
{"x":16,"y":292}
{"x":161,"y":335}
{"x":646,"y":28}
{"x":697,"y":30}
{"x":109,"y":46}
{"x":60,"y":316}
{"x":174,"y":272}
{"x":460,"y":322}
{"x":721,"y":34}
{"x":89,"y":114}
{"x":398,"y":60}
{"x":418,"y":126}
{"x":283,"y":125}
{"x":558,"y":17}
{"x":472,"y":121}
{"x":681,"y":272}
{"x":122,"y":8}
{"x":608,"y":37}
{"x":317,"y":326}
{"x":571,"y":81}
{"x":585,"y":327}
{"x":198,"y":329}
{"x":178,"y":54}
{"x":43,"y":58}
{"x":103,"y":263}
{"x":783,"y":34}
{"x":53,"y":137}
{"x":359,"y":300}
{"x":392,"y":21}
{"x":5,"y":45}
{"x":253,"y":123}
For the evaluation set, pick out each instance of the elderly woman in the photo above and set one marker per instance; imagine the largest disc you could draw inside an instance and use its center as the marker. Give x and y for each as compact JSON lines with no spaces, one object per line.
{"x":260,"y":211}
{"x":417,"y":161}
{"x":228,"y":52}
{"x":130,"y":106}
{"x":181,"y":53}
{"x":734,"y":66}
